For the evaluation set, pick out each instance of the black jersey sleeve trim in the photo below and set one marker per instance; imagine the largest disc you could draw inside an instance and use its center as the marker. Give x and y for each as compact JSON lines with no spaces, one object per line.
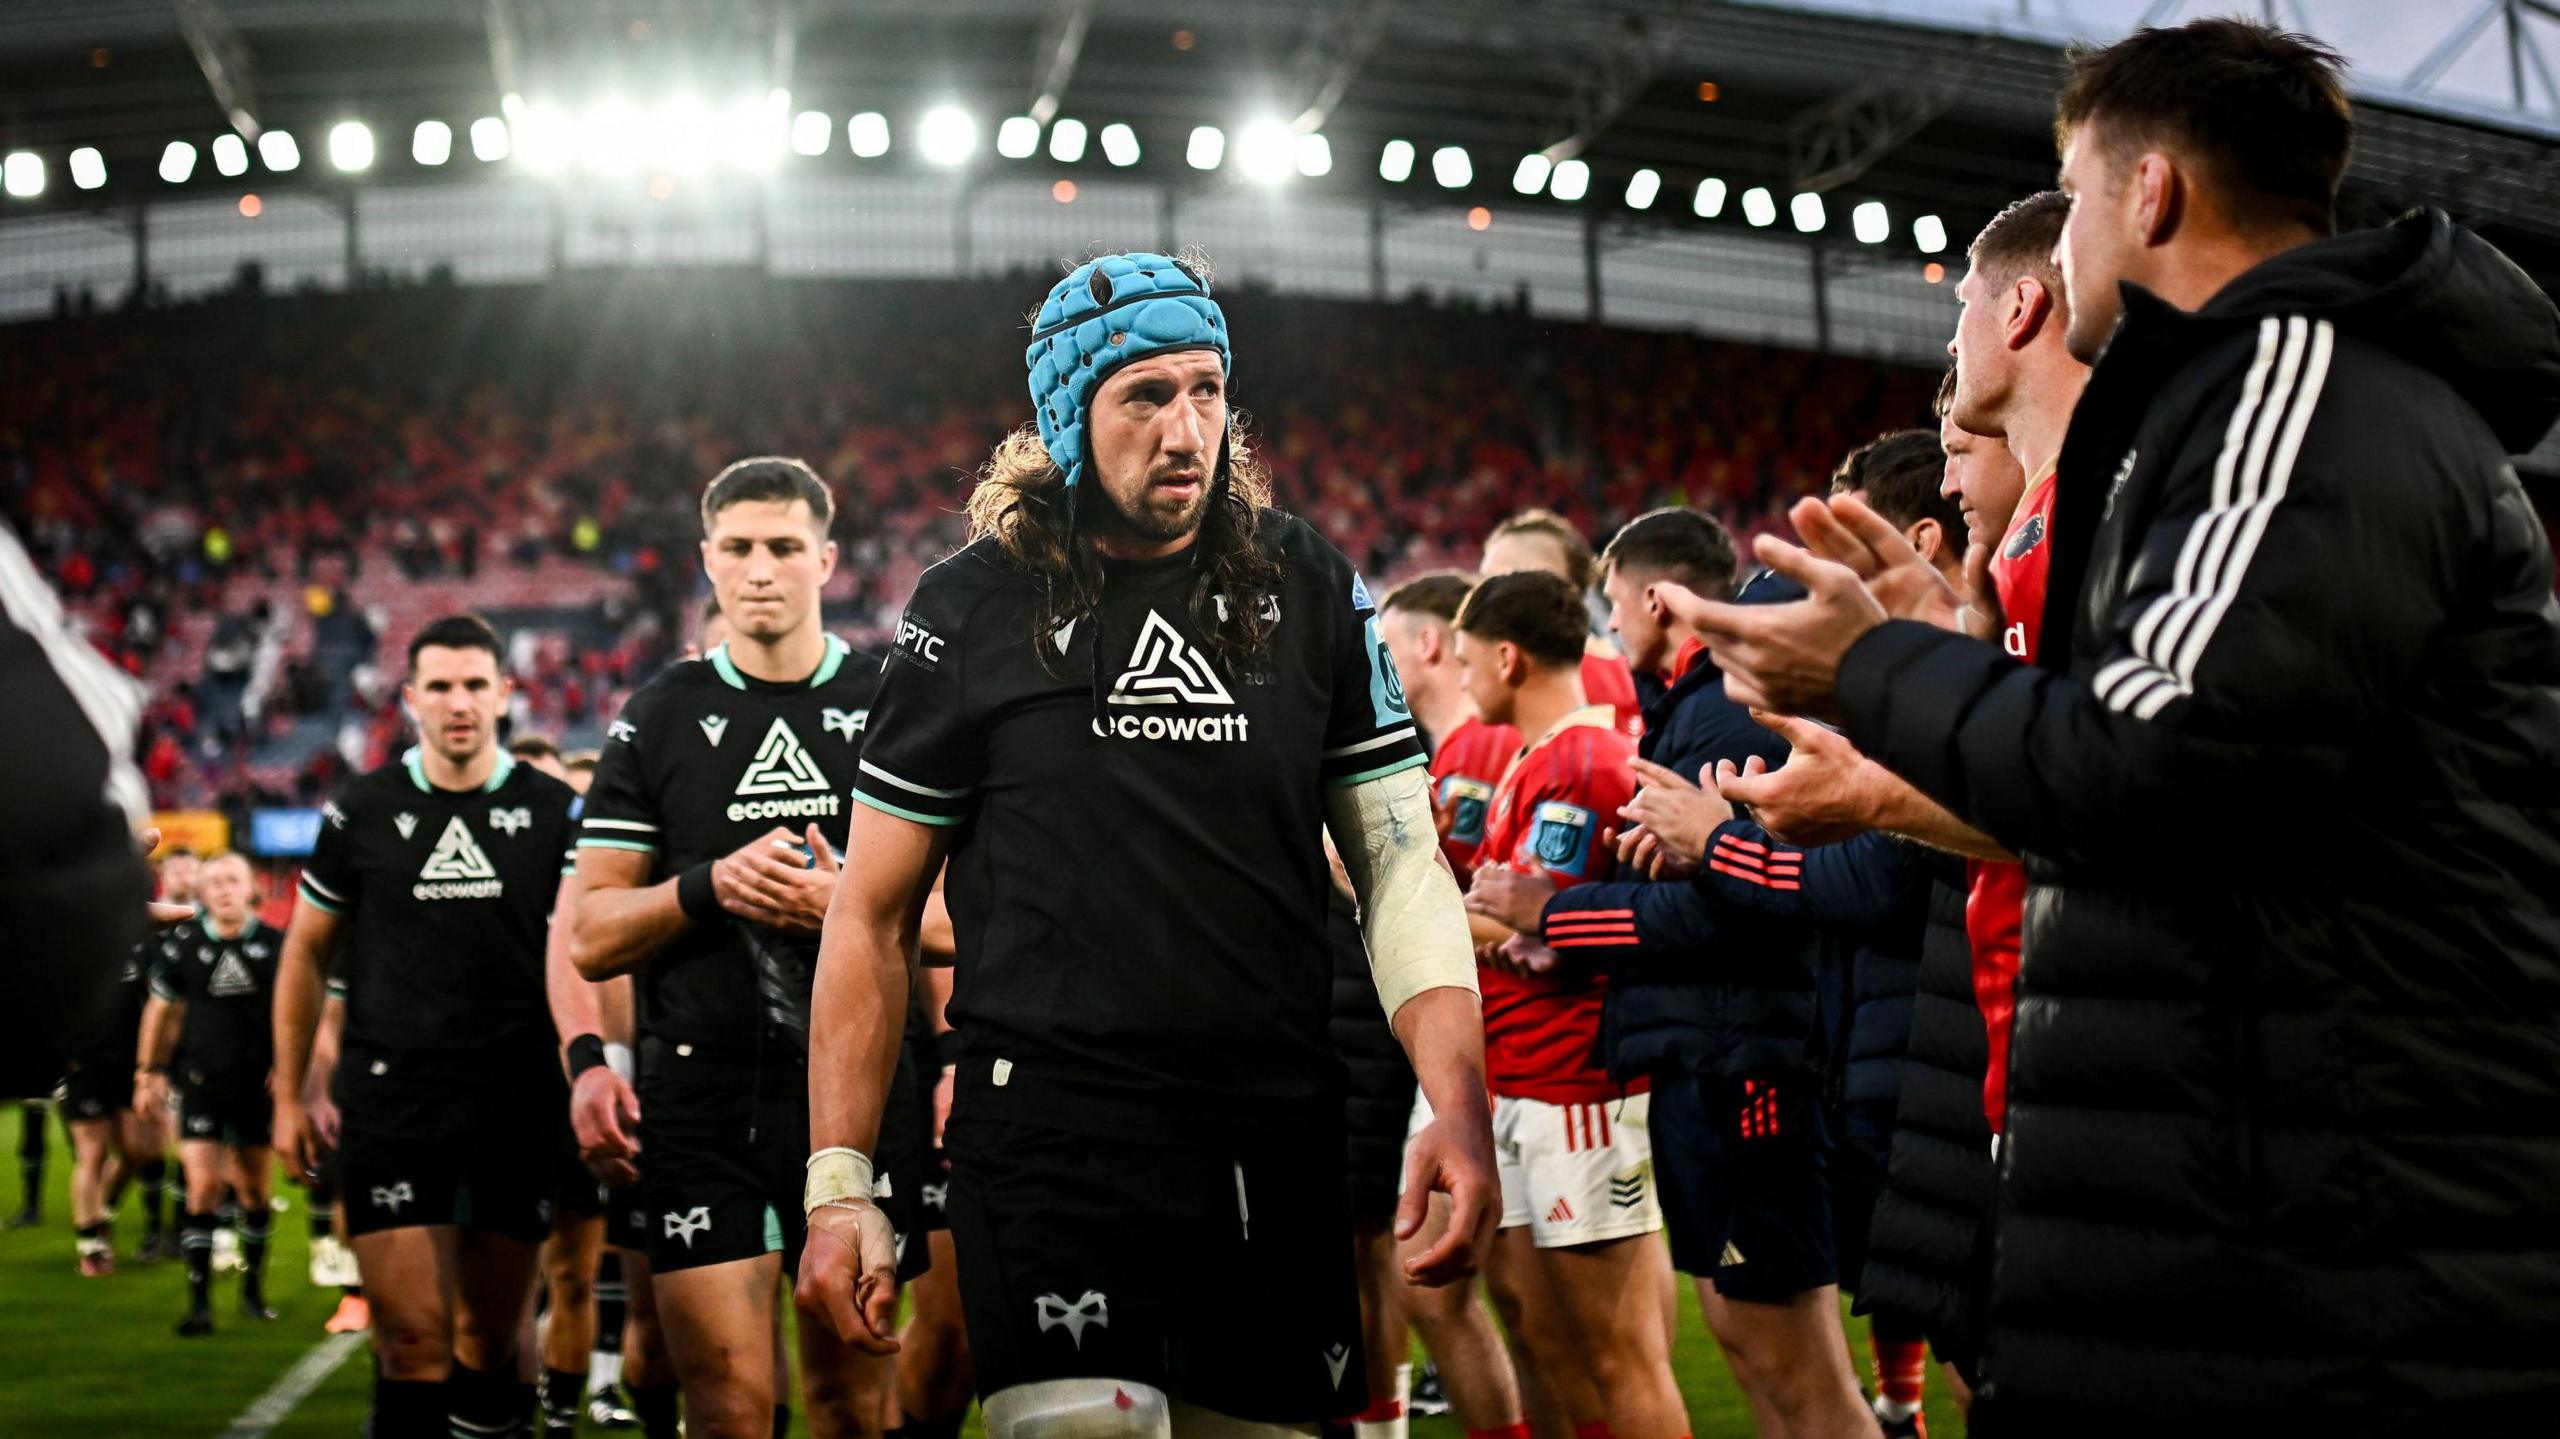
{"x":1381,"y":772}
{"x":939,"y":821}
{"x":318,"y":898}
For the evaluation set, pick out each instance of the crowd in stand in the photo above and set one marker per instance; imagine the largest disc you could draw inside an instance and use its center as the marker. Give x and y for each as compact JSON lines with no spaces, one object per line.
{"x":263,"y":467}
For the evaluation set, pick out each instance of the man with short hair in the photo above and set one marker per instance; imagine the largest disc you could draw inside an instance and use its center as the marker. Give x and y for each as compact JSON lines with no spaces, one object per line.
{"x":707,"y":855}
{"x":2290,"y":555}
{"x":1576,"y":1165}
{"x":1536,"y":539}
{"x":433,"y":877}
{"x":1148,"y":1120}
{"x":208,"y":1021}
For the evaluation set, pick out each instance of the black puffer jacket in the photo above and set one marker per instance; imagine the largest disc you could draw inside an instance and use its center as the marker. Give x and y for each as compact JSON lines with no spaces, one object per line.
{"x":1937,"y":1200}
{"x":2283,"y":1151}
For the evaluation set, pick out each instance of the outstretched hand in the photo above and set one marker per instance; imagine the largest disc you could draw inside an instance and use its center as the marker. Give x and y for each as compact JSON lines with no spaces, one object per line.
{"x":1786,"y":657}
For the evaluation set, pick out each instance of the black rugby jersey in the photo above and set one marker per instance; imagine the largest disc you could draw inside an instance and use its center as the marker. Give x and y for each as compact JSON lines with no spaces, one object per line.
{"x":446,"y":896}
{"x":228,"y":986}
{"x":703,"y":759}
{"x":1138,"y":884}
{"x":116,"y":1045}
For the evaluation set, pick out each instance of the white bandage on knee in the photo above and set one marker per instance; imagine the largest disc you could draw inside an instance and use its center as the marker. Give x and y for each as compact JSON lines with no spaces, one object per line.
{"x":1190,"y":1421}
{"x":1410,"y":912}
{"x":1078,"y":1409}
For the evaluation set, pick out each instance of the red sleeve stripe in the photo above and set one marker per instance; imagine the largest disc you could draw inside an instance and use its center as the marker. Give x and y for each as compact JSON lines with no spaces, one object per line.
{"x":1734,"y":856}
{"x":1578,"y":914}
{"x":1596,"y":941}
{"x":1738,"y":842}
{"x":1753,"y":876}
{"x":1624,"y":934}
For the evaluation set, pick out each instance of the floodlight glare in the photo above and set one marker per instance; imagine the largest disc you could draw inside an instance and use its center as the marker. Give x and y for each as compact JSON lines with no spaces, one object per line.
{"x":1395,"y":163}
{"x":431,"y":143}
{"x":542,"y":139}
{"x":351,"y":146}
{"x":1263,"y":151}
{"x":1208,"y":146}
{"x":1930,"y":234}
{"x":1710,"y":200}
{"x":867,"y":135}
{"x":1018,"y":138}
{"x":177,"y":162}
{"x":1870,"y":223}
{"x":1315,"y":156}
{"x":1530,"y":175}
{"x":1759,"y":206}
{"x":1571,"y":181}
{"x":88,"y":168}
{"x":1806,"y":209}
{"x":947,"y":135}
{"x":230,"y":155}
{"x":1066,"y":141}
{"x":752,"y":134}
{"x":1450,"y":166}
{"x":277,"y":149}
{"x":489,"y":143}
{"x":23,"y":174}
{"x":809,"y":132}
{"x":1642,"y":187}
{"x":1119,"y":144}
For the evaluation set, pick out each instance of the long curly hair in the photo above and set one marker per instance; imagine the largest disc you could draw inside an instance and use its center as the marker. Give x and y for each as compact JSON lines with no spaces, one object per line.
{"x":1021,"y":500}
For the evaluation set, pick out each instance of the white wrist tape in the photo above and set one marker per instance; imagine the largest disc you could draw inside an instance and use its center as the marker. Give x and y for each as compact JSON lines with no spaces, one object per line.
{"x":837,"y":1173}
{"x":1410,"y":912}
{"x":617,"y":1057}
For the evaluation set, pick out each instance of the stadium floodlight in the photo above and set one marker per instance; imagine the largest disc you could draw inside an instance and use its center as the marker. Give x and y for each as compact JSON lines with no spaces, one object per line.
{"x":1263,"y":151}
{"x":753,"y":134}
{"x":1066,"y":141}
{"x":611,"y":136}
{"x":23,"y":174}
{"x":809,"y":132}
{"x":230,"y":155}
{"x":1018,"y":138}
{"x":431,"y":143}
{"x":1315,"y":156}
{"x":1870,"y":223}
{"x":1571,"y":181}
{"x":177,"y":162}
{"x":489,"y":142}
{"x":1710,"y":200}
{"x":1929,"y":233}
{"x":1806,"y":211}
{"x":1530,"y":175}
{"x":947,"y":135}
{"x":1208,"y":146}
{"x":1451,"y":167}
{"x":1119,"y":145}
{"x":542,"y":139}
{"x":278,"y":151}
{"x":1759,"y":206}
{"x":1642,"y":188}
{"x":88,"y":168}
{"x":1395,"y":162}
{"x":867,"y":135}
{"x":351,"y":146}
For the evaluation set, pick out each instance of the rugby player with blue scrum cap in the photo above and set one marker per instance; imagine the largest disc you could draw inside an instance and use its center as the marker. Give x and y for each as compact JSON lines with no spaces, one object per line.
{"x":1146,"y":1194}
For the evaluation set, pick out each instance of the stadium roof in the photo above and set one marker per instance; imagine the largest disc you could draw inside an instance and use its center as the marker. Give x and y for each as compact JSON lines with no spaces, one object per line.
{"x":1935,"y":105}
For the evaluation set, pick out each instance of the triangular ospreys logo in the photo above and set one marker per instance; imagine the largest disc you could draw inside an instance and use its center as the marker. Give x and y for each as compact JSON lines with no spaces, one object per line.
{"x":1164,"y":669}
{"x":457,"y":855}
{"x":231,"y":979}
{"x":781,"y":766}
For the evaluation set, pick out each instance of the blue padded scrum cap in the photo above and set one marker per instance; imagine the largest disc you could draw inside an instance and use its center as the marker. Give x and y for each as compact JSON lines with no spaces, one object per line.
{"x":1106,"y":313}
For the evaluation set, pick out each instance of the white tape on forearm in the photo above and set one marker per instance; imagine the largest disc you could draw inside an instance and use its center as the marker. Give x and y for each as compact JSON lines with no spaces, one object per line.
{"x":1410,"y":912}
{"x":837,"y":1173}
{"x":617,"y":1057}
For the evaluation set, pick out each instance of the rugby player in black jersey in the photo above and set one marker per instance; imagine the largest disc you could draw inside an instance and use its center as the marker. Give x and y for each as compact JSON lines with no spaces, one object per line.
{"x":1128,"y":712}
{"x":209,"y":1019}
{"x":112,"y":1141}
{"x":431,"y":887}
{"x":707,"y":856}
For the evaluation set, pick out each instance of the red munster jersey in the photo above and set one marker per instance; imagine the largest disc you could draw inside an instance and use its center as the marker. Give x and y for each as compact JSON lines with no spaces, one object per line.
{"x":1542,"y":1034}
{"x":1994,"y":912}
{"x":1606,"y":680}
{"x":1465,"y":771}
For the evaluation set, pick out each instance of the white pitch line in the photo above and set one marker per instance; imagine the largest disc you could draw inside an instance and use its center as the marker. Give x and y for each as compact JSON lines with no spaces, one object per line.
{"x":296,"y":1385}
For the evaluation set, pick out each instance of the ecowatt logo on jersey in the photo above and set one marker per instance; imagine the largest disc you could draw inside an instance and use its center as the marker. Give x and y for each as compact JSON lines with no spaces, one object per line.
{"x":782,"y":767}
{"x":458,"y":869}
{"x":1164,"y":670}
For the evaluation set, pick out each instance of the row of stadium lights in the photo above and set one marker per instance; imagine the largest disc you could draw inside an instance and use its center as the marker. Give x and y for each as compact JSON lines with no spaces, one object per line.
{"x":686,"y":136}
